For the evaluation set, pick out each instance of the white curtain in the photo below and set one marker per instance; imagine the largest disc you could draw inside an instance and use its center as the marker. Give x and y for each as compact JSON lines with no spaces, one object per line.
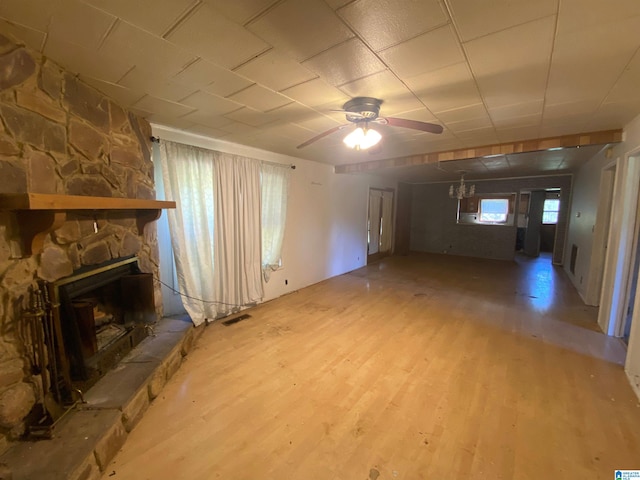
{"x":275,"y":189}
{"x":237,"y":238}
{"x":374,"y":221}
{"x":215,"y":229}
{"x":386,"y":238}
{"x":188,"y":174}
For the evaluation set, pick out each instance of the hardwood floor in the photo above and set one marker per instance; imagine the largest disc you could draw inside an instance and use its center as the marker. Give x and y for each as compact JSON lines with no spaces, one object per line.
{"x":420,"y":367}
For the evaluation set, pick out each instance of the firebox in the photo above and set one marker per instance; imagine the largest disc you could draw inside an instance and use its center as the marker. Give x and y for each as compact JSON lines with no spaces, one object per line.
{"x":100,"y":315}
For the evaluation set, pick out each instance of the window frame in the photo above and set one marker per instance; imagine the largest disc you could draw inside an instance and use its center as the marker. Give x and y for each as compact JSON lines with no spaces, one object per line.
{"x":544,"y":211}
{"x":470,"y":210}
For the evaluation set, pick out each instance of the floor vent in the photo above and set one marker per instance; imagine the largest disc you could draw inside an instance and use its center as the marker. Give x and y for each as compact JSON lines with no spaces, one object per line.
{"x":237,"y":319}
{"x":574,"y":258}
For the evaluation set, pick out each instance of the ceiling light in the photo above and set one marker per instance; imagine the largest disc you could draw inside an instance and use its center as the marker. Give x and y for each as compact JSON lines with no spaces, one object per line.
{"x":362,"y":138}
{"x":460,"y":191}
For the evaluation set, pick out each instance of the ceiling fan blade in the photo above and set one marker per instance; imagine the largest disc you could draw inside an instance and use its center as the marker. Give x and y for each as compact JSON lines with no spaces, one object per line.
{"x":413,"y":124}
{"x":322,"y":135}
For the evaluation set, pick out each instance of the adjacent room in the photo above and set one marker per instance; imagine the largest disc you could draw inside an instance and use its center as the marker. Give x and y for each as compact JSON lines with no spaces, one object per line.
{"x":319,"y":239}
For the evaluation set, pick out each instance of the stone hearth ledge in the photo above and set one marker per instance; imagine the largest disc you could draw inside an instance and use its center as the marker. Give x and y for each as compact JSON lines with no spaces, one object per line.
{"x":88,"y":438}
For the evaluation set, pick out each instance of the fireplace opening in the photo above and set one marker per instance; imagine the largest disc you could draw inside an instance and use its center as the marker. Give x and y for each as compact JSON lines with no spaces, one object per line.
{"x":103,"y":313}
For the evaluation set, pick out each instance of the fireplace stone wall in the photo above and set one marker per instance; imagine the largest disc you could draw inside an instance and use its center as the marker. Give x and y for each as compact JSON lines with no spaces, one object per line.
{"x":59,"y":135}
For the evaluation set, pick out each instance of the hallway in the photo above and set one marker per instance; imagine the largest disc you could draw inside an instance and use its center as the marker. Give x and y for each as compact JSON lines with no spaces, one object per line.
{"x":418,"y":367}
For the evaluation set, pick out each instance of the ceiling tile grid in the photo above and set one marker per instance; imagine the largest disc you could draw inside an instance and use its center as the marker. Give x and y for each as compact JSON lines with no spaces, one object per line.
{"x":266,"y":72}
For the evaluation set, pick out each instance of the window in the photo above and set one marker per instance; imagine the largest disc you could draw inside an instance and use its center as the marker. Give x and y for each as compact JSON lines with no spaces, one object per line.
{"x":494,"y":210}
{"x":550,"y":211}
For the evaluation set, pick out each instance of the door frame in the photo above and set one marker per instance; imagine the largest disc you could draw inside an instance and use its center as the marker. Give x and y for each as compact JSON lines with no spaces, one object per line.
{"x":617,"y":270}
{"x":379,"y":255}
{"x":601,"y":234}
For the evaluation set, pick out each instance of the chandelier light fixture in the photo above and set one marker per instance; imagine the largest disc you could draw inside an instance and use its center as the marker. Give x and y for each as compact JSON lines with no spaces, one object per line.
{"x":461,"y":191}
{"x":362,"y":138}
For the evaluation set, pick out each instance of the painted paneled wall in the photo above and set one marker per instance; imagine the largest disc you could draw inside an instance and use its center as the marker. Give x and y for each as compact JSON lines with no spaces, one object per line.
{"x":326,"y":232}
{"x":632,"y":365}
{"x":434,"y":227}
{"x":582,"y":219}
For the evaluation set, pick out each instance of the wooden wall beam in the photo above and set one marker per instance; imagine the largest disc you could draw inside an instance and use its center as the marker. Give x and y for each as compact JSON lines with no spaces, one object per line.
{"x":525,"y":146}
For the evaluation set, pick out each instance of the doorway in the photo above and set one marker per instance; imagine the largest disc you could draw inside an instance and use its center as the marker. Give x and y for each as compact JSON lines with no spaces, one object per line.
{"x":380,"y":223}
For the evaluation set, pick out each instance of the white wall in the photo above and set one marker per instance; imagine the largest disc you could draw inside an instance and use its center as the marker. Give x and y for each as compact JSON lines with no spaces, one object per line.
{"x":581,"y":228}
{"x":326,"y":231}
{"x":632,"y":365}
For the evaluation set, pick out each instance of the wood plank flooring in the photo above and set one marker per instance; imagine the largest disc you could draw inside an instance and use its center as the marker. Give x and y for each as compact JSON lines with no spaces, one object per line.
{"x":419,"y":367}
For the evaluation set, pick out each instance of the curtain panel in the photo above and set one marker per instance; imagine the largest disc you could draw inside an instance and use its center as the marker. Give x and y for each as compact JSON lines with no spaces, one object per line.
{"x":215,"y":229}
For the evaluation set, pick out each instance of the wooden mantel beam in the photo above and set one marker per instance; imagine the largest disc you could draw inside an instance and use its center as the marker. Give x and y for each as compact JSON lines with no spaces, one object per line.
{"x":565,"y":141}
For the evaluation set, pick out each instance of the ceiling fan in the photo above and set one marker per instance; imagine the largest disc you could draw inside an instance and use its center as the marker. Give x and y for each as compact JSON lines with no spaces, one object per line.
{"x":366,"y":110}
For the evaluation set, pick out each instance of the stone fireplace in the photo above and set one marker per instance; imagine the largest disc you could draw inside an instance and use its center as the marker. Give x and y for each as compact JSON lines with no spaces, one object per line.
{"x":59,"y":135}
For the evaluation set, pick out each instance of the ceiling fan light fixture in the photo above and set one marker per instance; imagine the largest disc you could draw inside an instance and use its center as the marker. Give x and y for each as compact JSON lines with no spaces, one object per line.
{"x":362,"y":138}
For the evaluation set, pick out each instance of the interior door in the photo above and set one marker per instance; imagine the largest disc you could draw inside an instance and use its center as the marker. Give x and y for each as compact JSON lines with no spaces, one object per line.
{"x":375,"y":215}
{"x":534,"y":223}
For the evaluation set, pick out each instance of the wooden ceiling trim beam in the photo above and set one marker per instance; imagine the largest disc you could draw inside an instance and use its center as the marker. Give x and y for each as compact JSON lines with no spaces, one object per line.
{"x":525,"y":146}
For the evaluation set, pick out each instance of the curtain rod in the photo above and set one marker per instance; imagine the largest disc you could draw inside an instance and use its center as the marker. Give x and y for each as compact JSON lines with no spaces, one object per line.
{"x":291,"y":166}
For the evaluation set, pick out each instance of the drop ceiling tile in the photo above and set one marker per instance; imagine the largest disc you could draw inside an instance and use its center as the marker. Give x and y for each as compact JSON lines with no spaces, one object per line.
{"x":614,"y":115}
{"x":260,"y":98}
{"x":476,"y":19}
{"x":446,"y":89}
{"x":252,"y":117}
{"x":584,"y":107}
{"x":77,"y":59}
{"x":275,"y":71}
{"x":516,"y":134}
{"x":154,"y":16}
{"x":179,"y":123}
{"x":471,"y":124}
{"x":583,"y":15}
{"x":418,"y":55}
{"x":515,"y":122}
{"x":212,"y":104}
{"x":208,"y":131}
{"x":511,"y":66}
{"x":32,"y":38}
{"x":319,"y":124}
{"x":214,"y":37}
{"x":140,"y":48}
{"x":295,"y":112}
{"x":291,"y":131}
{"x":122,"y":95}
{"x":517,"y":110}
{"x":241,"y":129}
{"x":464,"y":113}
{"x":301,"y":29}
{"x":345,"y":62}
{"x":384,"y":23}
{"x":157,"y":86}
{"x":315,"y":93}
{"x":80,"y":23}
{"x":420,"y":114}
{"x":211,"y":78}
{"x":586,"y":64}
{"x":35,"y":14}
{"x":379,"y":85}
{"x":626,"y":87}
{"x":206,"y":118}
{"x":396,"y":105}
{"x":159,"y":106}
{"x":241,"y":11}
